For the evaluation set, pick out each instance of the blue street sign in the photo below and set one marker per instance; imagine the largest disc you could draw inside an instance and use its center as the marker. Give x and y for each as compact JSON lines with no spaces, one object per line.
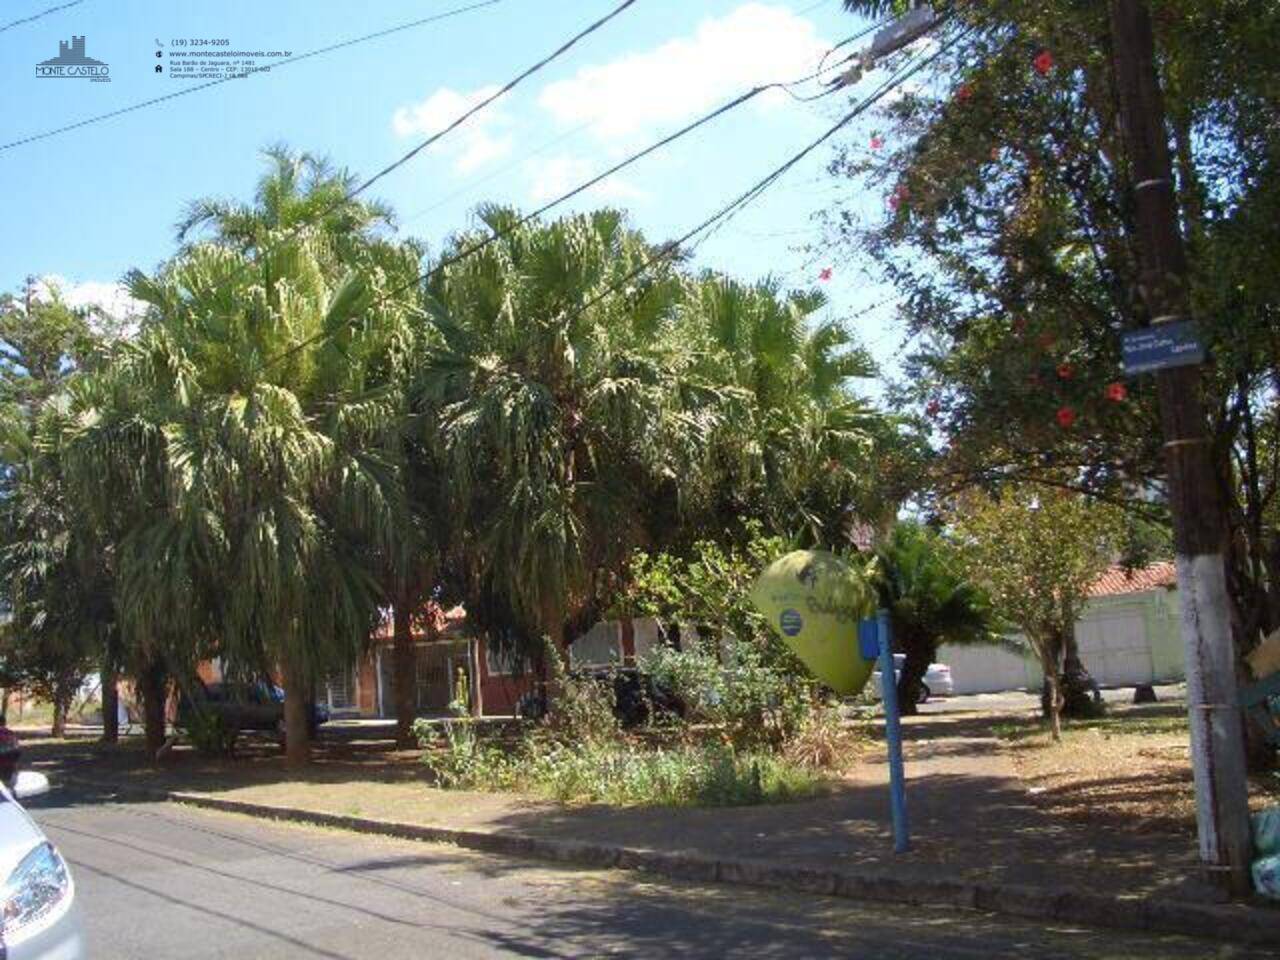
{"x":869,"y":639}
{"x":1162,"y":346}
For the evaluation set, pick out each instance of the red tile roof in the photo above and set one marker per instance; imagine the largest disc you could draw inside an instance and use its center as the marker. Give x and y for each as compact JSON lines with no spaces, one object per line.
{"x":1118,"y":580}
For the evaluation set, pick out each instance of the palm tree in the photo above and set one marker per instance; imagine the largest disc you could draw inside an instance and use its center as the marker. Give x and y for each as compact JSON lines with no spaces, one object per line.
{"x":300,"y":191}
{"x":256,"y":417}
{"x":793,"y":446}
{"x":555,"y":408}
{"x":929,"y":602}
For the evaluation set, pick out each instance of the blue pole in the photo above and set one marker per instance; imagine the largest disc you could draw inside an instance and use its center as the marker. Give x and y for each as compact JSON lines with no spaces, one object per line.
{"x":893,"y":735}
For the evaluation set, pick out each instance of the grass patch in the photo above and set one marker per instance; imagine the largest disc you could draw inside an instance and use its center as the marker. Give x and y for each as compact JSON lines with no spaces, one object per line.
{"x":623,"y":772}
{"x":1120,"y":723}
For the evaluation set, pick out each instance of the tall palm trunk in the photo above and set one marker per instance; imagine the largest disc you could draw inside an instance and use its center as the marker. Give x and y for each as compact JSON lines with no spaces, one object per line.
{"x":153,"y":689}
{"x":58,"y":729}
{"x":110,"y":696}
{"x":404,"y":677}
{"x":919,"y":653}
{"x":297,"y":726}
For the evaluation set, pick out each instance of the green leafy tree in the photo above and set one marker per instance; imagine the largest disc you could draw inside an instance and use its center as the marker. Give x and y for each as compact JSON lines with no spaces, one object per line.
{"x":56,"y":586}
{"x":1036,"y":554}
{"x":56,"y":577}
{"x":930,"y":601}
{"x":253,"y":416}
{"x":792,"y":444}
{"x":558,"y":410}
{"x":1009,"y":228}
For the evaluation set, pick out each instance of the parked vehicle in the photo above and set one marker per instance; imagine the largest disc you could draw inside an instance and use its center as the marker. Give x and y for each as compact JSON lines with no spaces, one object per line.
{"x":937,"y":680}
{"x":255,"y":706}
{"x":634,"y":694}
{"x":38,"y":900}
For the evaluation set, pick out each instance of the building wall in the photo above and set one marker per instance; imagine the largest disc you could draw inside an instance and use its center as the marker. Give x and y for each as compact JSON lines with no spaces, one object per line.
{"x":1150,"y":620}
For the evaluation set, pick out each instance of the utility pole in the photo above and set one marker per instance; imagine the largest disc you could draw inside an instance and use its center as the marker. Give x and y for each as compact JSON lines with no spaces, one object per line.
{"x":1217,"y":737}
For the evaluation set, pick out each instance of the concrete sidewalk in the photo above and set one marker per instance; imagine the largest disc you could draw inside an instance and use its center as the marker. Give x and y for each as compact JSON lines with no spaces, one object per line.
{"x":979,"y":839}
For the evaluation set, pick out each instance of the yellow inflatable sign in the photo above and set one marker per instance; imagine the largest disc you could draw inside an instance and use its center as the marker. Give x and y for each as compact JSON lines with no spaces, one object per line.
{"x":815,"y":600}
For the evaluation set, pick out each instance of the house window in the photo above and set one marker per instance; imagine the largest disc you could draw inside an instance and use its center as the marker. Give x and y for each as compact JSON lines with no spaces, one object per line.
{"x":503,"y":663}
{"x":599,"y":646}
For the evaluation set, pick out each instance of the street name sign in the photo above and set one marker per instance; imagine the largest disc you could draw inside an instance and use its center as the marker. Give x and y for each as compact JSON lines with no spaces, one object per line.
{"x":1162,"y":346}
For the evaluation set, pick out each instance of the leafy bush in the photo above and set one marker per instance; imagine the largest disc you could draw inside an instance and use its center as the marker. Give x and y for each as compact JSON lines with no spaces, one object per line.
{"x":210,"y":734}
{"x":459,"y":759}
{"x":758,"y":704}
{"x":583,"y":710}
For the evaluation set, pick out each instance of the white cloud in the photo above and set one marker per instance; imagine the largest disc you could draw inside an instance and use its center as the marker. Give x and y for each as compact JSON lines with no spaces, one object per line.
{"x":472,"y":145}
{"x":560,"y":174}
{"x":754,"y":44}
{"x":112,"y":297}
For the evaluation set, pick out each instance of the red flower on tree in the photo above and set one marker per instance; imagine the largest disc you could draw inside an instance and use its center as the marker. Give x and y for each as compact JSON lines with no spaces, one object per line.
{"x":1066,"y":417}
{"x":825,"y":274}
{"x":1116,"y":392}
{"x":964,"y":92}
{"x":1065,"y":371}
{"x":877,"y":143}
{"x":1043,"y":62}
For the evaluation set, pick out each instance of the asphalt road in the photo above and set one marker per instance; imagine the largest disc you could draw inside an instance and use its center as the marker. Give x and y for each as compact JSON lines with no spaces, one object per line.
{"x":158,"y":881}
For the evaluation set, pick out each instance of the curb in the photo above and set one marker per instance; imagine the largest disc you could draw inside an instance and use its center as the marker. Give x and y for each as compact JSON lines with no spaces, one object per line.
{"x":1237,"y":923}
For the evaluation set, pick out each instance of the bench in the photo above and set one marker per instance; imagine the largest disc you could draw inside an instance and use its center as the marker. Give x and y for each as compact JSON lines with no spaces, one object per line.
{"x":1255,"y":701}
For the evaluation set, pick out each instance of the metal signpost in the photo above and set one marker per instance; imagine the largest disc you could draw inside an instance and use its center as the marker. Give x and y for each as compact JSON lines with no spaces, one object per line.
{"x":893,"y":736}
{"x":804,"y":597}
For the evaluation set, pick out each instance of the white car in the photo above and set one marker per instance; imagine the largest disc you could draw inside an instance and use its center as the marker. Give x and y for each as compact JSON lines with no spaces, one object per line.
{"x":39,"y":911}
{"x":937,"y":680}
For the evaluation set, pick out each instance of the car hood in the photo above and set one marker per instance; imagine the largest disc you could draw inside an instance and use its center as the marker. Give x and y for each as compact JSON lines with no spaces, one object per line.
{"x":18,"y":834}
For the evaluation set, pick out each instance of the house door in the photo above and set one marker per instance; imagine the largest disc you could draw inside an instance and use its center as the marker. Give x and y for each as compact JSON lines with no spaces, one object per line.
{"x":338,"y":691}
{"x":1115,"y":649}
{"x":434,"y":678}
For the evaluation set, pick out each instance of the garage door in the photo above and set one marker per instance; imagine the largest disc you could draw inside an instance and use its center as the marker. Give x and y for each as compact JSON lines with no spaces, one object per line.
{"x":1115,"y":650}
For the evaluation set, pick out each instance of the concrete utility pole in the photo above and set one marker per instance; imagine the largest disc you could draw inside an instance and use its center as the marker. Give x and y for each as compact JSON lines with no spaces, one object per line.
{"x":1217,"y":738}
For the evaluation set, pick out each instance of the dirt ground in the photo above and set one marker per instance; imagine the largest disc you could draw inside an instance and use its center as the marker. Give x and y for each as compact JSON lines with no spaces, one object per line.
{"x":1131,"y":768}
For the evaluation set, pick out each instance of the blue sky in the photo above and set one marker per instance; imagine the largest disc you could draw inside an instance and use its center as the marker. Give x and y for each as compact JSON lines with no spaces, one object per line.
{"x":92,"y":203}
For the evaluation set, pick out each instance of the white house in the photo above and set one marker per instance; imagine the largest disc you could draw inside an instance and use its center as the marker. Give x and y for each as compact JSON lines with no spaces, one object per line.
{"x":1128,"y":635}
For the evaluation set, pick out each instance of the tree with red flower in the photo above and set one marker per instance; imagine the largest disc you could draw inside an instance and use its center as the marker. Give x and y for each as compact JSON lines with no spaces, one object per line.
{"x":1043,"y":62}
{"x":1066,"y":417}
{"x":1116,"y":392}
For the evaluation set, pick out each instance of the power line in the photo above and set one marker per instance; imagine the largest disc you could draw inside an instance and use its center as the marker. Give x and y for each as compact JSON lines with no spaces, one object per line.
{"x":507,"y":168}
{"x":350,"y":195}
{"x":502,"y":91}
{"x":542,"y":148}
{"x":671,"y":248}
{"x":142,"y":104}
{"x":564,"y":198}
{"x":37,"y":16}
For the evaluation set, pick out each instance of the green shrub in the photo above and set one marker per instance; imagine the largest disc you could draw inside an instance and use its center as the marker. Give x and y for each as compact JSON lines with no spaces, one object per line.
{"x":582,"y":710}
{"x":620,"y":773}
{"x":210,"y":734}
